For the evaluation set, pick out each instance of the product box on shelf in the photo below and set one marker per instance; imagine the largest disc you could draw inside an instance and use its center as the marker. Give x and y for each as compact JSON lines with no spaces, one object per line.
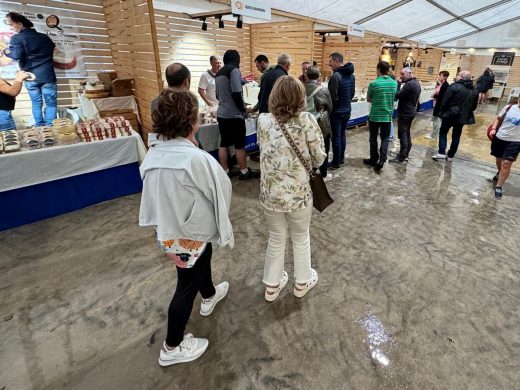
{"x":106,"y":128}
{"x":117,"y":86}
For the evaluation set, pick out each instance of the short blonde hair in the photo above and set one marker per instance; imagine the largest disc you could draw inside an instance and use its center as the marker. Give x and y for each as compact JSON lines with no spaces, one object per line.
{"x":287,"y":99}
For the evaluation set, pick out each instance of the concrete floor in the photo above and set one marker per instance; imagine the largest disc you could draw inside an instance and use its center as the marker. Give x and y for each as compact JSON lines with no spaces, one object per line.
{"x":419,"y":289}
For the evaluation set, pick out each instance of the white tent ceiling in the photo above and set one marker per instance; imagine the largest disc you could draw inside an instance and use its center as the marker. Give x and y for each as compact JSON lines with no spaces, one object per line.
{"x":446,"y":23}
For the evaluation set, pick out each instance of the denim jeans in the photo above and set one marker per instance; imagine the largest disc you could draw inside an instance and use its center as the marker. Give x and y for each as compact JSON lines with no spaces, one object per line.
{"x":455,"y":137}
{"x":383,"y":129}
{"x":40,"y":92}
{"x":325,"y":165}
{"x":6,"y":121}
{"x":338,"y":123}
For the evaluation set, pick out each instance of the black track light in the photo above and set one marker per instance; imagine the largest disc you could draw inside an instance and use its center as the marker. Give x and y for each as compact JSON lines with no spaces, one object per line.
{"x":346,"y":38}
{"x":324,"y":38}
{"x":426,"y":51}
{"x":220,"y":22}
{"x":239,"y":21}
{"x":204,"y":25}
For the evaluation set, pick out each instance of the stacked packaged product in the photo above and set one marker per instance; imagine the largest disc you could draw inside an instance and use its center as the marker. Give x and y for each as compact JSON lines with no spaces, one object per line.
{"x":65,"y":131}
{"x":9,"y":141}
{"x":38,"y":137}
{"x":100,"y":129}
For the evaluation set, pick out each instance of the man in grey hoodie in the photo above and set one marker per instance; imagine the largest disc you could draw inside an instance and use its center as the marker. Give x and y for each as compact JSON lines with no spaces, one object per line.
{"x":342,"y":88}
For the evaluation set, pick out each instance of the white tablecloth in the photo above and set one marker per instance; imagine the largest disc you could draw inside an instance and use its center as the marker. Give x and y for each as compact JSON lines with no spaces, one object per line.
{"x":92,"y":107}
{"x":30,"y":167}
{"x":359,"y":110}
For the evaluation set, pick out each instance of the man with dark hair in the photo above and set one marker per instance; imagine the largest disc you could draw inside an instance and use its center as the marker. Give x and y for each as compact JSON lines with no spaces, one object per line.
{"x":34,"y":53}
{"x":267,"y":83}
{"x":262,"y":65}
{"x":342,"y":88}
{"x":438,"y":95}
{"x":381,"y":93}
{"x":456,"y":111}
{"x":303,"y":77}
{"x":409,"y":90}
{"x":177,"y":76}
{"x":207,"y":82}
{"x":231,"y":114}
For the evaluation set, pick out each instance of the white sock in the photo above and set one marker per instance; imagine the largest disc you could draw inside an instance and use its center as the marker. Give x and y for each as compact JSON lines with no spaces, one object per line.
{"x":226,"y":170}
{"x":244,"y":171}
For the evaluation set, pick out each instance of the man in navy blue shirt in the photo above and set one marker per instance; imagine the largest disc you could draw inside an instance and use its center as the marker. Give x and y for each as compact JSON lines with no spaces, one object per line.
{"x":34,"y":53}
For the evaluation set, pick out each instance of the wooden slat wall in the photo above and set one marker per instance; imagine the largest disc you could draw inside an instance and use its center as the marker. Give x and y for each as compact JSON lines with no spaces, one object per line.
{"x":131,"y":28}
{"x":433,"y":58}
{"x":362,"y":52}
{"x":293,"y":38}
{"x":181,"y":39}
{"x":89,"y":17}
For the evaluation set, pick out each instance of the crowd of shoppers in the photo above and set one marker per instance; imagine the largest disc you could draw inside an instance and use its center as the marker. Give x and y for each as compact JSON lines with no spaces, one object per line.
{"x":186,"y":193}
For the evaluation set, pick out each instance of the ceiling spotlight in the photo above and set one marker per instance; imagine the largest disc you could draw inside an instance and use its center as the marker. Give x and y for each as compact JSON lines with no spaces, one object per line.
{"x":204,"y":24}
{"x":346,"y":38}
{"x":220,"y":22}
{"x":426,"y":51}
{"x":324,"y":38}
{"x":239,"y":21}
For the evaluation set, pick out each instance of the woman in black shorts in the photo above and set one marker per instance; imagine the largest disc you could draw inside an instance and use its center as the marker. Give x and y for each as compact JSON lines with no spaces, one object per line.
{"x":506,"y":144}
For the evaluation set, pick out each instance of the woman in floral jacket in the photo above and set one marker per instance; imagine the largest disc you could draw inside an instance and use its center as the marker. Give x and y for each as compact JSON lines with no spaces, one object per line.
{"x":285,"y":191}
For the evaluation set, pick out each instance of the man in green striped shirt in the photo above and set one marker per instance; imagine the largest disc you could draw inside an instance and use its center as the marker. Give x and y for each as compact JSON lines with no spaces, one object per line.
{"x":381,"y":93}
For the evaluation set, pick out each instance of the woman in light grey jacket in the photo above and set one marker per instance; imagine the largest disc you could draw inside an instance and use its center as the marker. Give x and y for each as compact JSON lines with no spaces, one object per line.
{"x":186,"y":197}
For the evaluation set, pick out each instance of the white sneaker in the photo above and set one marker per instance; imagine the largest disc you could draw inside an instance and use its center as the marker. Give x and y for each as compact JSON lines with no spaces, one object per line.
{"x":305,"y":288}
{"x":188,"y":350}
{"x":207,"y":305}
{"x":450,"y":159}
{"x":271,"y":293}
{"x":327,"y":178}
{"x":439,"y":156}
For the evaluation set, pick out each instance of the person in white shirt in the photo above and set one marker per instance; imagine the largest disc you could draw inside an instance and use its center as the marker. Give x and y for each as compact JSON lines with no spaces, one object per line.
{"x":207,"y":82}
{"x":186,"y":197}
{"x":505,"y":145}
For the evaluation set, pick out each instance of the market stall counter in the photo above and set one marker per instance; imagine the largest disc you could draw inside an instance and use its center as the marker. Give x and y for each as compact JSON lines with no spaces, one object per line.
{"x":46,"y":182}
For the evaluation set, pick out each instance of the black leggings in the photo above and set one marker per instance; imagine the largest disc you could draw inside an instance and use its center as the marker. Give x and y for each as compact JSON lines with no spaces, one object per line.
{"x":190,"y":281}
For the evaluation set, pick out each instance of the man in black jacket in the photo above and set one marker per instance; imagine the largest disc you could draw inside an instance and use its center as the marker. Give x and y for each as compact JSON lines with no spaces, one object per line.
{"x":408,"y":94}
{"x":342,"y":88}
{"x":456,"y":111}
{"x":438,"y":95}
{"x":268,"y":80}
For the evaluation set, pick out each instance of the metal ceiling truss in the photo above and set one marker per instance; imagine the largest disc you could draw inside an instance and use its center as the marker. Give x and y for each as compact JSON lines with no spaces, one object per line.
{"x":383,"y":11}
{"x":482,"y":29}
{"x":449,"y":21}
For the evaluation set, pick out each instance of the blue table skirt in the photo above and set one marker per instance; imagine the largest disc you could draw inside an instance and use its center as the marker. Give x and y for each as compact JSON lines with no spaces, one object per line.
{"x":40,"y":201}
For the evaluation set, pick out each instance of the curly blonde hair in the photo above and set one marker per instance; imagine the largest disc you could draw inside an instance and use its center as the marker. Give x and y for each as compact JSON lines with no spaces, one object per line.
{"x":176,"y":113}
{"x":287,"y":99}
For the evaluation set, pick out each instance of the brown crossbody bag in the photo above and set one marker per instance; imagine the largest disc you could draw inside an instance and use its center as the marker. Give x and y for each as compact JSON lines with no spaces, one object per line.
{"x":320,"y":195}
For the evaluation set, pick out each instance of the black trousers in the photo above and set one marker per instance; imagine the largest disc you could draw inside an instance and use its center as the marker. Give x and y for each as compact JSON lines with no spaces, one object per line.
{"x":190,"y":281}
{"x":448,"y":123}
{"x":404,"y":124}
{"x":384,"y":129}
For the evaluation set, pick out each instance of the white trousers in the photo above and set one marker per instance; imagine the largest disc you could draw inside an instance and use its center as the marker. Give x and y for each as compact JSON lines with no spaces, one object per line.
{"x":298,"y":223}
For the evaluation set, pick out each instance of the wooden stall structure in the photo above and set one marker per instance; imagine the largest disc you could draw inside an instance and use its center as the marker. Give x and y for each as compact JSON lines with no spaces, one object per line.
{"x":89,"y":17}
{"x":133,"y":42}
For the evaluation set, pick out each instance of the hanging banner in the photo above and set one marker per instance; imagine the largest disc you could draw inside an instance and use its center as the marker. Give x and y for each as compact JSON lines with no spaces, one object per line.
{"x":251,"y":8}
{"x":68,"y":60}
{"x":356,"y":30}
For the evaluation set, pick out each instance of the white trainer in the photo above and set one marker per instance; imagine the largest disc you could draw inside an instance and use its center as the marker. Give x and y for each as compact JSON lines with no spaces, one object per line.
{"x":188,"y":350}
{"x":449,"y":159}
{"x":271,"y":293}
{"x":327,"y":178}
{"x":300,"y":290}
{"x":438,"y":156}
{"x":207,"y":305}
